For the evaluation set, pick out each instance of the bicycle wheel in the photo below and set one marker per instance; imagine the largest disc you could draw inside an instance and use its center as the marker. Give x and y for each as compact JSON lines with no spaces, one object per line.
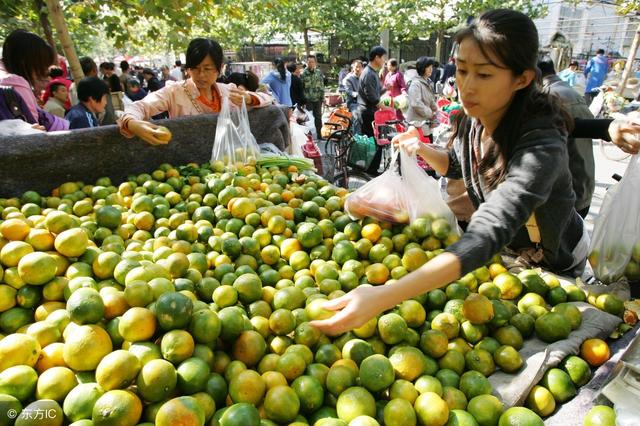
{"x":351,"y":180}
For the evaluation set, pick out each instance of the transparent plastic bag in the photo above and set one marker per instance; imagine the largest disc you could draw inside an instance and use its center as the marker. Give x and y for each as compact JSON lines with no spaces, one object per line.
{"x":615,"y":245}
{"x":383,"y":198}
{"x":424,"y":196}
{"x":227,"y":146}
{"x":251,"y":150}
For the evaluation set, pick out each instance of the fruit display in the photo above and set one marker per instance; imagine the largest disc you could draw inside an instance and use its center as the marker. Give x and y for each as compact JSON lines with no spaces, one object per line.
{"x":183,"y":297}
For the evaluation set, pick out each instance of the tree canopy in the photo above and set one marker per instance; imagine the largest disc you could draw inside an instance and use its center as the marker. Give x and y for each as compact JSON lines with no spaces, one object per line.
{"x":161,"y":26}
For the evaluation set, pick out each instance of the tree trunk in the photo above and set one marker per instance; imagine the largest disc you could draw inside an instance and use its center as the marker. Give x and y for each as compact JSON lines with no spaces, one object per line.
{"x":629,"y":65}
{"x":65,"y":39}
{"x":307,"y":45}
{"x":439,"y":43}
{"x":253,"y":50}
{"x":43,"y":16}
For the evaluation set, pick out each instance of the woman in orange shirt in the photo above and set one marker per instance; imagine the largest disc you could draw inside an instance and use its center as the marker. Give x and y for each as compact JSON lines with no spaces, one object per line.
{"x":199,"y":94}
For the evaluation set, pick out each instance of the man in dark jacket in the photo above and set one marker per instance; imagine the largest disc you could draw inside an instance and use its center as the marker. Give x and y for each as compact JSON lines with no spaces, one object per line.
{"x":369,"y":94}
{"x":581,"y":162}
{"x":370,"y":89}
{"x":297,"y":88}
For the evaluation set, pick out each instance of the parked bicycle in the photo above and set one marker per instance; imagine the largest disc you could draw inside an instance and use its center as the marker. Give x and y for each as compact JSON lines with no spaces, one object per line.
{"x":349,"y":172}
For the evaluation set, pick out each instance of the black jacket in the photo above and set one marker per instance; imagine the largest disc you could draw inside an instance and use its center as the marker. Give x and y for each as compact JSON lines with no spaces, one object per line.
{"x":370,"y":89}
{"x":297,"y":91}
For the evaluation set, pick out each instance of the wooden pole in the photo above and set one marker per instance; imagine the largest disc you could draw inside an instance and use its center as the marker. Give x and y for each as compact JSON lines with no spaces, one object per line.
{"x":57,"y":17}
{"x":632,"y":56}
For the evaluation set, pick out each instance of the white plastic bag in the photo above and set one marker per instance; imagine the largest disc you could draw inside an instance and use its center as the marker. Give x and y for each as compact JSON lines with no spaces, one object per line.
{"x":383,"y":198}
{"x":252,"y":150}
{"x":615,"y":246}
{"x":227,"y":146}
{"x":425,"y":198}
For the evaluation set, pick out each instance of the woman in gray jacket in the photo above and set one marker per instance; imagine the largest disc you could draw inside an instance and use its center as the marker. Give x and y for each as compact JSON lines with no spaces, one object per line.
{"x":422,"y":99}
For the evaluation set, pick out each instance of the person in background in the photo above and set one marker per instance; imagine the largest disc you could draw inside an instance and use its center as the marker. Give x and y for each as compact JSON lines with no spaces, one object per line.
{"x":176,"y":72}
{"x":200,"y":94}
{"x":595,"y":72}
{"x":247,"y":80}
{"x":90,"y":69}
{"x":108,"y":71}
{"x":279,"y":81}
{"x":370,"y":89}
{"x":297,"y":88}
{"x":125,"y":73}
{"x":369,"y":94}
{"x":56,"y":102}
{"x":166,"y":75}
{"x":134,"y":91}
{"x":422,"y":99}
{"x":449,"y":70}
{"x":92,"y":94}
{"x":56,"y":75}
{"x":410,"y":74}
{"x":351,"y":84}
{"x":568,"y":75}
{"x":26,"y":59}
{"x":153,"y":83}
{"x":394,"y":80}
{"x":436,"y":74}
{"x":344,"y":71}
{"x":313,"y":82}
{"x":581,"y":162}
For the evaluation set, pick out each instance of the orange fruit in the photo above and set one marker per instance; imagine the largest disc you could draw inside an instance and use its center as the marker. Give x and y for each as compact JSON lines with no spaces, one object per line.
{"x":377,"y":273}
{"x":371,"y":232}
{"x":14,"y":229}
{"x":595,"y":352}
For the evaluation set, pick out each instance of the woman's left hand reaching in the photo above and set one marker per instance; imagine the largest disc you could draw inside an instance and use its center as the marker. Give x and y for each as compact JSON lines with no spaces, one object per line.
{"x":237,"y":95}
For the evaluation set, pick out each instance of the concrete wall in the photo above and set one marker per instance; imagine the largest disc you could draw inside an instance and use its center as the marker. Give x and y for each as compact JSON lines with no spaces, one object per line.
{"x":42,"y":162}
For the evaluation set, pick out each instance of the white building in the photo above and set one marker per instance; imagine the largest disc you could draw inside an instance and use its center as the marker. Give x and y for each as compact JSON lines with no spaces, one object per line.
{"x":588,"y":26}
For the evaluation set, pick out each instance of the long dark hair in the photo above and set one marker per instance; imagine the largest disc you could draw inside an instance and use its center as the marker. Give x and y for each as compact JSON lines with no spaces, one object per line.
{"x":280,"y":67}
{"x":512,"y":38}
{"x":27,"y":55}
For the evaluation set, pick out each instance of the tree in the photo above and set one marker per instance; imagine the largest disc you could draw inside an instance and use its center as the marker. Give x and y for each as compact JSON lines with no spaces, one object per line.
{"x":411,"y":19}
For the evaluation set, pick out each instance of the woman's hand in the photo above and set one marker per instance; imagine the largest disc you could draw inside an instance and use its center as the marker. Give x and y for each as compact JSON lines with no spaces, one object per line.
{"x":354,"y":309}
{"x":236,"y":95}
{"x":410,"y":142}
{"x":149,"y":132}
{"x":625,"y":133}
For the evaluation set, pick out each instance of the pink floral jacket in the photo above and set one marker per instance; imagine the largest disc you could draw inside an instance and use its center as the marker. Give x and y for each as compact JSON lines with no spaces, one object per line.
{"x":178,"y":98}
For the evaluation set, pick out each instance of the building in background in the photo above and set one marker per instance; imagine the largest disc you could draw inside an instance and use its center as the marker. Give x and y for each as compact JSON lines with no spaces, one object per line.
{"x":587,"y":26}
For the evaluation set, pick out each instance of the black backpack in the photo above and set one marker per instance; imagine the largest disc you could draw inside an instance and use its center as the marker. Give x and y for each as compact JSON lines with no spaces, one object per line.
{"x":12,"y":106}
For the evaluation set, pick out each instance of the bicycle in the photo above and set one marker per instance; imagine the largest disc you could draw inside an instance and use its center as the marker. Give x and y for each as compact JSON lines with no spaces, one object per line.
{"x":337,"y":150}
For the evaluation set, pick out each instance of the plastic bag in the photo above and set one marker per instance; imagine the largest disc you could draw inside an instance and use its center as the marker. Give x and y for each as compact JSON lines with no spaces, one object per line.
{"x":227,"y":146}
{"x":615,"y":245}
{"x":424,"y":196}
{"x":252,"y":150}
{"x":383,"y":198}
